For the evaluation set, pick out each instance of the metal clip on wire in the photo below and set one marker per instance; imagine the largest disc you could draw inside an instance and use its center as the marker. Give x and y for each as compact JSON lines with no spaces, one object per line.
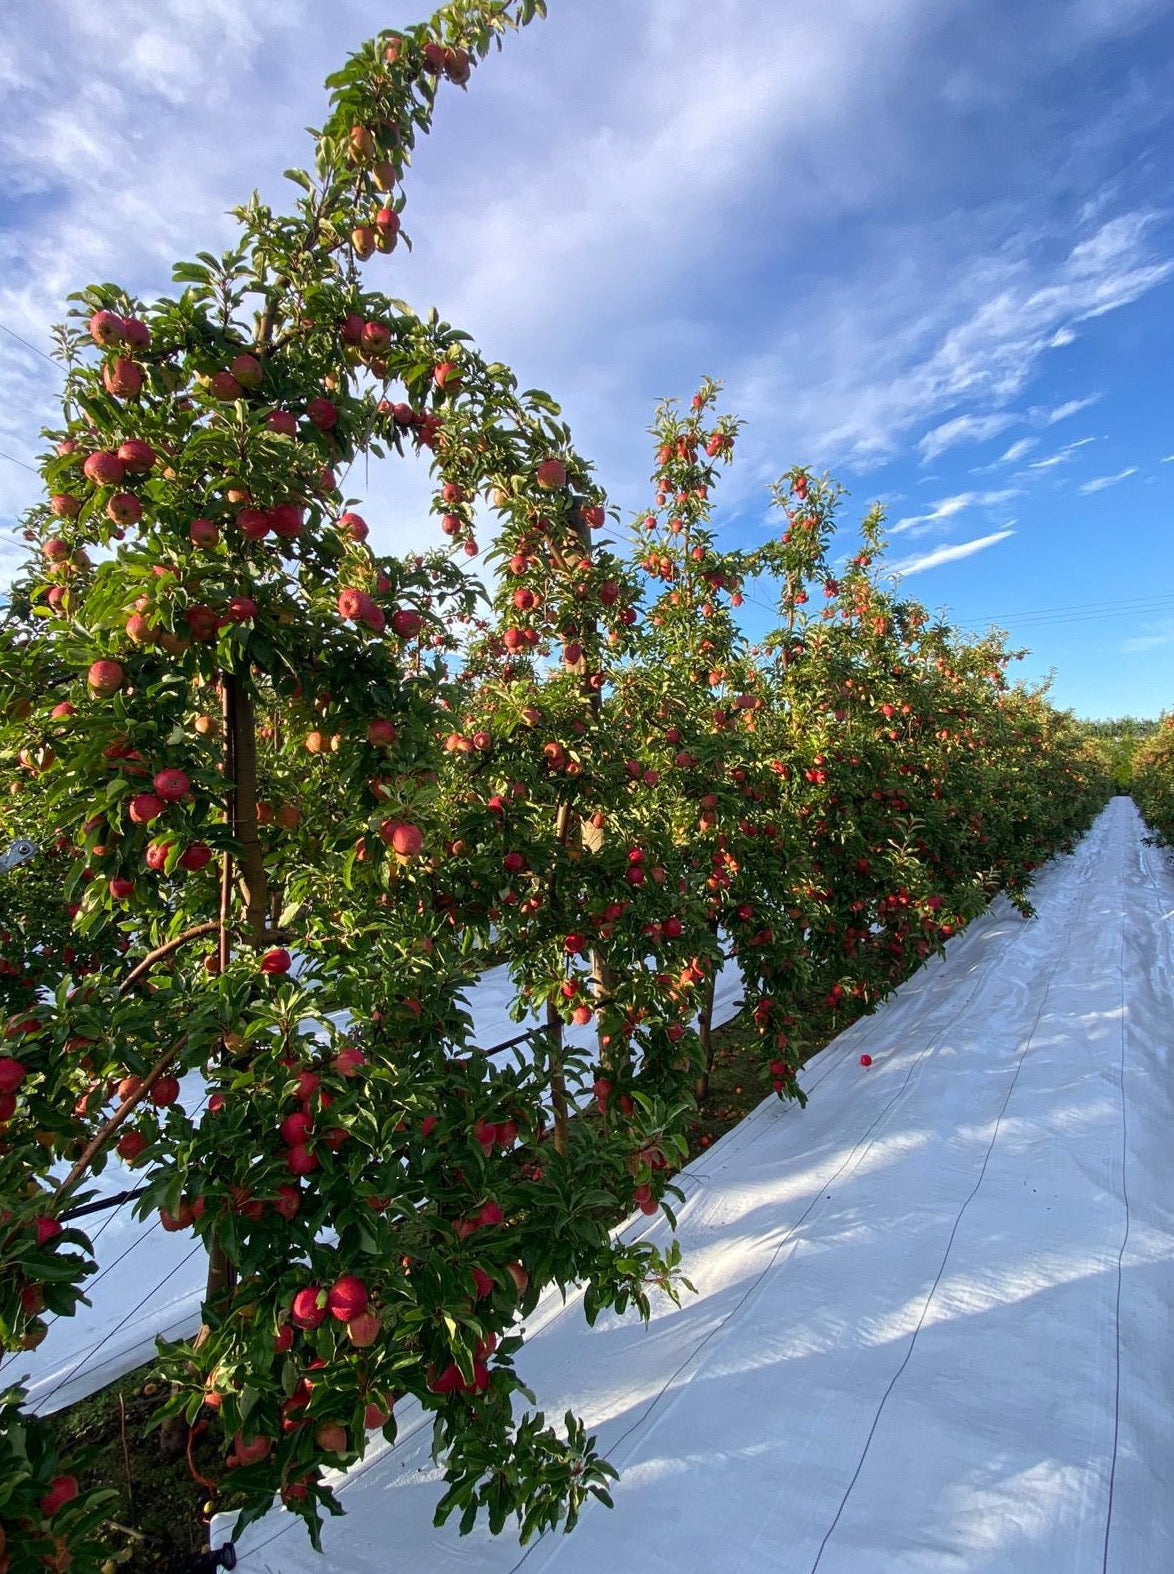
{"x":19,"y":853}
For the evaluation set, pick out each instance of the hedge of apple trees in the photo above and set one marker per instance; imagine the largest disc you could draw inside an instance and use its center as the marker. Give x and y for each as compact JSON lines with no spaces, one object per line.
{"x":298,"y":794}
{"x":1153,"y":779}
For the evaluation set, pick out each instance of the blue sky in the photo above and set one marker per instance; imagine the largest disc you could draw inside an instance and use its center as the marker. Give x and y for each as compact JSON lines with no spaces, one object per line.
{"x":927,"y":246}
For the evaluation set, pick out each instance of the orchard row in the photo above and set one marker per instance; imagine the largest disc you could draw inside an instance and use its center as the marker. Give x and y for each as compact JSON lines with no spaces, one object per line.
{"x":294,"y":794}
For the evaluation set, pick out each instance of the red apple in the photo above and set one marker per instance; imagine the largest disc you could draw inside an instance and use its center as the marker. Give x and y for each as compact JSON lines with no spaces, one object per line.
{"x":309,"y":1307}
{"x":171,"y":784}
{"x":104,"y":468}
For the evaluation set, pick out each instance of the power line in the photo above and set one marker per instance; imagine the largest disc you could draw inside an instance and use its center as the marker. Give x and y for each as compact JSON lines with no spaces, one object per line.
{"x":20,"y":462}
{"x":1137,"y":607}
{"x":28,"y":346}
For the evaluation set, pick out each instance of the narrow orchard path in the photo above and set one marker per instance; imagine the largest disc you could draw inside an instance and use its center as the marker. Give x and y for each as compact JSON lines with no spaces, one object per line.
{"x":932,"y":1329}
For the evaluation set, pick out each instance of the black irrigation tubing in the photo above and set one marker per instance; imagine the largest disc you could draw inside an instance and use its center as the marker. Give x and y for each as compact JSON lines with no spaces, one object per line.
{"x":103,"y":1203}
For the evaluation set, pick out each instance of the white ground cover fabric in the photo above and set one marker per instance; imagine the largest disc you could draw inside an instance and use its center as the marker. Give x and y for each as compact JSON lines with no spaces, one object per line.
{"x":932,"y":1328}
{"x":150,"y":1283}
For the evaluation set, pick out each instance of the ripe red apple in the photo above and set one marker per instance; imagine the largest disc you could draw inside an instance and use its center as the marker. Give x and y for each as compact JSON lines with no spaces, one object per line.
{"x":363,"y":1330}
{"x":63,"y":505}
{"x":156,"y":855}
{"x":381,"y":734}
{"x":171,"y":784}
{"x":195,"y":857}
{"x":12,"y":1074}
{"x":104,"y":468}
{"x":296,"y":1128}
{"x":241,"y":609}
{"x":224,"y":386}
{"x":247,"y":370}
{"x":107,"y":329}
{"x":203,"y":622}
{"x":309,"y":1307}
{"x":551,"y":474}
{"x":446,"y":376}
{"x":322,"y":414}
{"x":130,"y":1146}
{"x":122,"y":378}
{"x":456,"y":66}
{"x":105,"y":677}
{"x":349,"y":1061}
{"x":135,"y":333}
{"x":376,"y":338}
{"x":287,"y":521}
{"x":164,"y":1092}
{"x":282,"y":422}
{"x":406,"y":623}
{"x":354,"y":526}
{"x":137,"y":456}
{"x":62,"y":1490}
{"x":331,"y":1437}
{"x":124,"y":509}
{"x":347,"y":1298}
{"x":145,"y":807}
{"x":277,"y":960}
{"x":203,"y":533}
{"x":254,"y":523}
{"x":252,"y":1452}
{"x":300,"y":1161}
{"x":407,"y":840}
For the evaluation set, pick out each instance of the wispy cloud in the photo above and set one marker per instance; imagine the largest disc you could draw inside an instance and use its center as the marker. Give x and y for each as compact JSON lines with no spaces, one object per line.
{"x":1018,"y":451}
{"x":1167,"y":459}
{"x":1157,"y":635}
{"x":1071,"y":407}
{"x":962,"y":429}
{"x":1101,"y":483}
{"x":948,"y":554}
{"x":1061,"y":456}
{"x":947,"y":507}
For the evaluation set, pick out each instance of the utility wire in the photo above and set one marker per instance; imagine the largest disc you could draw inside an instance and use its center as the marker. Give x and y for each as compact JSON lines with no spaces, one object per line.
{"x":1076,"y":609}
{"x":28,"y":345}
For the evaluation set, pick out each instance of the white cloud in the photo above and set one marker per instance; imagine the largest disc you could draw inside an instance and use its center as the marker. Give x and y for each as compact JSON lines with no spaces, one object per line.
{"x":1102,"y":483}
{"x":962,"y":429}
{"x":1157,"y":635}
{"x":1018,"y":451}
{"x":949,"y":506}
{"x":1167,"y":459}
{"x":688,"y":208}
{"x":948,"y":554}
{"x":1061,"y":456}
{"x":1063,"y":411}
